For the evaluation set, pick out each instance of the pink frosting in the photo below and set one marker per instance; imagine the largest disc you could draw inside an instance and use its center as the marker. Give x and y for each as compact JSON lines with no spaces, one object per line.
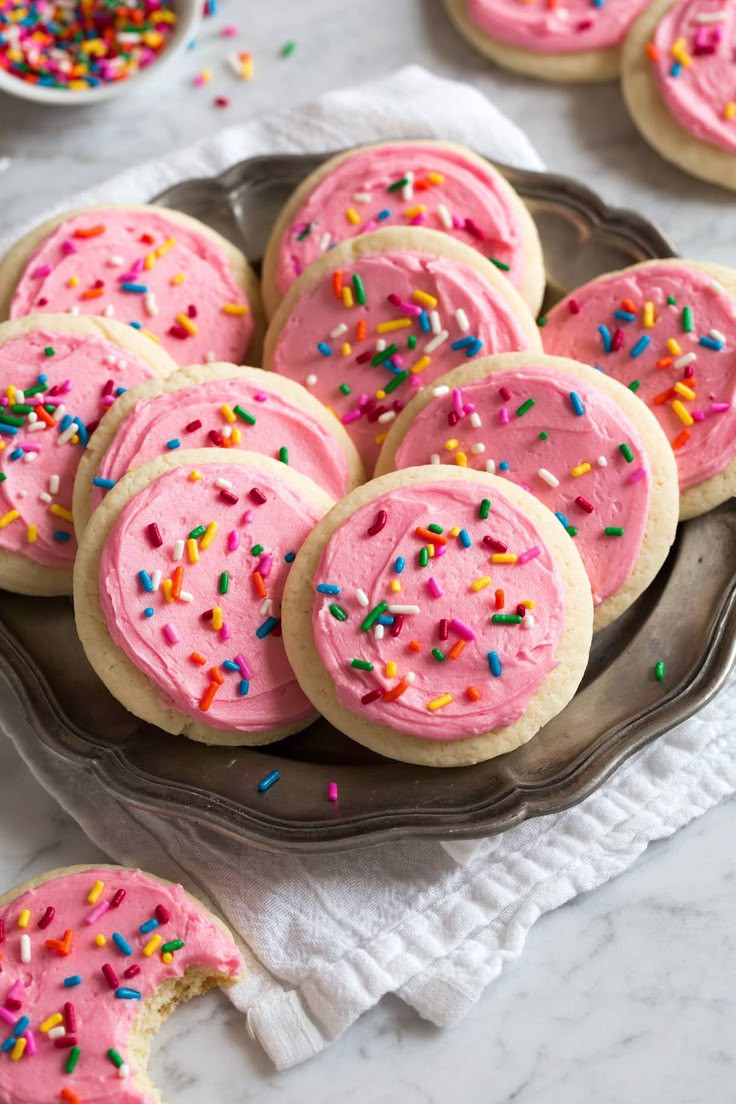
{"x":118,"y":256}
{"x":445,"y":191}
{"x":695,"y":70}
{"x":154,"y":426}
{"x":261,"y":693}
{"x":307,"y":351}
{"x":618,"y":489}
{"x":555,"y":28}
{"x":363,"y":565}
{"x":709,"y":370}
{"x":99,"y":1021}
{"x":83,"y":376}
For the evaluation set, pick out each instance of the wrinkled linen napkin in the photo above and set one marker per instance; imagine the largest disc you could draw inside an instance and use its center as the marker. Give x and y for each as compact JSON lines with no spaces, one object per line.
{"x":433,"y":923}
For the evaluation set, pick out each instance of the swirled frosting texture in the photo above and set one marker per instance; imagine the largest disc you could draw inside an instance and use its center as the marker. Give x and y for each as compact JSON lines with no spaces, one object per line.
{"x":695,"y":42}
{"x":66,"y":948}
{"x":141,"y":268}
{"x":248,"y":552}
{"x":442,"y":190}
{"x":552,"y":451}
{"x":666,"y":331}
{"x":62,"y":377}
{"x":567,"y":27}
{"x":355,"y":361}
{"x":443,"y":642}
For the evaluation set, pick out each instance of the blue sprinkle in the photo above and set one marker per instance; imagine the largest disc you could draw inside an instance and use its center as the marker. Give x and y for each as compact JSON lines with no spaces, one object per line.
{"x":106,"y":484}
{"x":465,"y":540}
{"x":136,"y":325}
{"x":120,"y":391}
{"x":21,"y":1026}
{"x":391,"y":366}
{"x":462,"y":343}
{"x":229,"y":665}
{"x":270,"y":779}
{"x":61,"y":536}
{"x":136,"y":289}
{"x":148,"y":611}
{"x":640,"y":346}
{"x":8,"y":1044}
{"x":384,"y":214}
{"x":174,"y":443}
{"x":494,"y":663}
{"x":424,"y":322}
{"x":267,"y":627}
{"x":676,"y":69}
{"x":16,"y":454}
{"x":475,"y":348}
{"x":8,"y":430}
{"x":149,"y":926}
{"x":122,"y":944}
{"x":327,"y":588}
{"x":43,"y":378}
{"x":385,"y":619}
{"x":127,"y":994}
{"x":71,"y":982}
{"x":289,"y":557}
{"x":399,"y":564}
{"x":243,"y":688}
{"x":624,"y":316}
{"x":146,"y":580}
{"x":504,"y":465}
{"x":65,"y":422}
{"x":324,"y":349}
{"x":606,"y":336}
{"x":562,"y":519}
{"x":577,"y":402}
{"x":81,"y":430}
{"x":711,"y":343}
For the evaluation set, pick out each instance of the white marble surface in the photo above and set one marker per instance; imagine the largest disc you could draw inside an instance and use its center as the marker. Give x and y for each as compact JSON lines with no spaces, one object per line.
{"x":624,"y":996}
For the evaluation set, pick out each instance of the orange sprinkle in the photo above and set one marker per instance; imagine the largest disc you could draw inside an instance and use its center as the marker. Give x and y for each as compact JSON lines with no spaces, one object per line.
{"x":428,"y":535}
{"x":337,"y":283}
{"x":663,"y":397}
{"x":628,"y":305}
{"x":681,"y":439}
{"x":415,"y":645}
{"x":652,"y":52}
{"x":89,"y":231}
{"x":665,"y":362}
{"x":473,"y":693}
{"x":260,"y":584}
{"x":197,"y":657}
{"x":500,"y":598}
{"x":456,"y":649}
{"x":396,"y":691}
{"x":67,"y":1094}
{"x":216,"y":676}
{"x":93,"y":293}
{"x":208,"y":696}
{"x":44,"y":415}
{"x":361,"y":330}
{"x":177,"y":579}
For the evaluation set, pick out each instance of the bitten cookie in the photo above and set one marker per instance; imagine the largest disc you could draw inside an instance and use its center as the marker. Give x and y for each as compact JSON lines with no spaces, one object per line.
{"x":59,"y":376}
{"x":94,"y":960}
{"x":439,"y":185}
{"x":177,"y":593}
{"x":679,"y":83}
{"x":579,"y":442}
{"x":224,"y":406}
{"x":157,"y":270}
{"x":571,"y":42}
{"x":666,"y":329}
{"x":439,"y":616}
{"x":381,"y":315}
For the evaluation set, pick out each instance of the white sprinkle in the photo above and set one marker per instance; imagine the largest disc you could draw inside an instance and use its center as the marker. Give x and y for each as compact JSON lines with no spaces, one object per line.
{"x":116,"y":262}
{"x":178,"y":550}
{"x":25,"y":948}
{"x":527,"y":622}
{"x":45,"y":497}
{"x":710,"y":17}
{"x":491,"y":466}
{"x":602,"y":462}
{"x":434,"y":321}
{"x":29,"y":457}
{"x":407,"y":192}
{"x":156,"y":579}
{"x":362,"y":197}
{"x":224,"y":484}
{"x":409,"y":677}
{"x":74,"y":311}
{"x":122,"y":364}
{"x":311,"y":380}
{"x":109,"y":311}
{"x":266,"y":607}
{"x":716,"y":287}
{"x":149,"y":302}
{"x":440,"y":390}
{"x":324,"y":242}
{"x":380,"y":344}
{"x":715,"y":334}
{"x":32,"y":417}
{"x":338,"y":330}
{"x":67,"y":434}
{"x":462,"y":320}
{"x":123,"y":1071}
{"x":56,"y":1032}
{"x":185,"y":596}
{"x":548,"y":477}
{"x":20,"y":396}
{"x":387,"y":416}
{"x":378,"y":632}
{"x":436,"y":342}
{"x":22,"y":494}
{"x":403,"y":609}
{"x":478,"y":448}
{"x":60,"y":412}
{"x":210,"y":358}
{"x":444,"y":216}
{"x":362,"y":597}
{"x":226,"y":432}
{"x":475,"y":420}
{"x":111,"y":360}
{"x":683,"y":361}
{"x":36,"y":427}
{"x":434,"y":458}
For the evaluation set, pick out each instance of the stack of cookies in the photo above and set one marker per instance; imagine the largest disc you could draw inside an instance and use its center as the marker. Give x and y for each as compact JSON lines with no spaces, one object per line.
{"x":413,"y":516}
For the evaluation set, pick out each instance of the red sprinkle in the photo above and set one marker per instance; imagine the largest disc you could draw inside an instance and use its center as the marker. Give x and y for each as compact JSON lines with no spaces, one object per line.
{"x":496,"y":545}
{"x":257,"y":496}
{"x":222,"y":101}
{"x":573,"y":306}
{"x":371,"y":696}
{"x":584,"y":504}
{"x":118,"y":898}
{"x":228,"y":497}
{"x":132,"y":972}
{"x":47,"y":917}
{"x":363,"y":358}
{"x":397,"y":625}
{"x":2,"y":931}
{"x":215,"y":437}
{"x":378,"y":524}
{"x":504,"y":393}
{"x":66,"y":1042}
{"x":70,"y":1018}
{"x":521,"y":610}
{"x":618,"y":340}
{"x":162,"y":914}
{"x":444,"y":628}
{"x":110,"y":976}
{"x":154,"y":535}
{"x":196,"y":424}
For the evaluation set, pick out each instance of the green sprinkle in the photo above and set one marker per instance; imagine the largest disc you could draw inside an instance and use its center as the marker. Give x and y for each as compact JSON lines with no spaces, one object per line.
{"x":671,"y":300}
{"x":500,"y":264}
{"x":361,"y":664}
{"x":688,"y":324}
{"x":634,"y":385}
{"x":659,"y":670}
{"x":223,"y":583}
{"x":284,"y":454}
{"x":398,"y":184}
{"x":359,"y":290}
{"x":524,"y":407}
{"x":245,"y":415}
{"x":484,"y":509}
{"x":71,"y":1062}
{"x":543,"y":436}
{"x":198,"y":532}
{"x":288,"y":48}
{"x":3,"y":477}
{"x":10,"y":419}
{"x":34,"y":390}
{"x":305,"y":232}
{"x":435,"y":528}
{"x":256,"y":550}
{"x":373,"y":616}
{"x":571,"y":530}
{"x":626,"y":453}
{"x":49,"y":408}
{"x":614,"y":531}
{"x":49,"y":351}
{"x":438,"y":654}
{"x":174,"y":945}
{"x":115,"y":1058}
{"x":345,"y":388}
{"x":20,"y":408}
{"x":412,"y":341}
{"x":396,"y":381}
{"x":423,"y":557}
{"x":384,"y":355}
{"x":338,"y":612}
{"x":542,"y":322}
{"x":506,"y":619}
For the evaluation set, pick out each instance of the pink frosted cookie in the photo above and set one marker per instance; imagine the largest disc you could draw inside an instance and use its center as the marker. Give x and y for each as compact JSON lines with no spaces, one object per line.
{"x":439,"y":616}
{"x":223,"y":406}
{"x":581,"y":443}
{"x":679,"y":82}
{"x":665,"y":329}
{"x":434,"y":184}
{"x":382,"y":315}
{"x":177,"y":591}
{"x":569,"y":40}
{"x":94,"y":960}
{"x":156,"y":270}
{"x":59,"y":375}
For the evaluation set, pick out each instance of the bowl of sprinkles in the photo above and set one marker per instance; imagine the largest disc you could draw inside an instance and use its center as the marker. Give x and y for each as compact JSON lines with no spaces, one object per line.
{"x":82,"y":51}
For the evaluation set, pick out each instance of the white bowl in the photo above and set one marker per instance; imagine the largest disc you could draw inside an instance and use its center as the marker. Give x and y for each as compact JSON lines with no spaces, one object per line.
{"x":187,"y":21}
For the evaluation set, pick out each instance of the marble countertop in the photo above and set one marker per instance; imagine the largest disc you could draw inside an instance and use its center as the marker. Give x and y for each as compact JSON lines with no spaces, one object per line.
{"x":624,"y":995}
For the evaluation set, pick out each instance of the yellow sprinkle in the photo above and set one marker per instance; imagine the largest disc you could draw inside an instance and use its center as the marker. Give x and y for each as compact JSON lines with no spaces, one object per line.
{"x":439,"y":703}
{"x":683,"y":413}
{"x":227,"y":412}
{"x":424,"y":297}
{"x":149,"y":261}
{"x":209,"y":535}
{"x":420,"y":365}
{"x":481,"y":584}
{"x":527,"y":603}
{"x":178,"y":279}
{"x":32,"y":534}
{"x":235,"y":308}
{"x":648,"y":315}
{"x":674,"y":346}
{"x":380,"y":438}
{"x":24,"y":919}
{"x":217,"y":618}
{"x":152,"y":945}
{"x":352,"y":216}
{"x":235,"y":436}
{"x":455,"y":531}
{"x":164,"y":248}
{"x":52,"y":1021}
{"x":72,"y":281}
{"x":75,"y":439}
{"x":7,"y":518}
{"x":380,"y":394}
{"x":347,"y":296}
{"x":435,"y":178}
{"x":679,"y":52}
{"x":62,"y":512}
{"x":390,"y":669}
{"x":346,"y":348}
{"x":100,"y":940}
{"x":395,"y":324}
{"x":461,"y":459}
{"x":580,"y":469}
{"x":193,"y":550}
{"x":503,"y":557}
{"x":167,"y":587}
{"x":149,"y":333}
{"x":167,"y":957}
{"x":10,"y":392}
{"x":17,"y":1052}
{"x":451,"y":444}
{"x":394,"y":586}
{"x":412,"y":212}
{"x":186,"y":324}
{"x":195,"y":475}
{"x":430,"y":551}
{"x":729,"y":111}
{"x":684,"y":390}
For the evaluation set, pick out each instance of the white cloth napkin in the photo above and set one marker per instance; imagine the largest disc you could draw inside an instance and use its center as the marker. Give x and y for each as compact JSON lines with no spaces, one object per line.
{"x":330,"y":935}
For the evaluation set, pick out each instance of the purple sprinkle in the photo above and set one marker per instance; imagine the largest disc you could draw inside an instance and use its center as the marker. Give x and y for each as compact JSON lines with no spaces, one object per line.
{"x":461,"y":629}
{"x":530,"y":554}
{"x":698,"y":415}
{"x":233,"y":540}
{"x":244,"y":668}
{"x":637,"y":475}
{"x":260,"y":397}
{"x":7,"y":1016}
{"x":457,"y":401}
{"x":351,"y":416}
{"x":265,"y":564}
{"x":100,"y":910}
{"x":68,"y":247}
{"x":31,"y":1049}
{"x":503,"y":416}
{"x":225,"y":633}
{"x":719,"y":407}
{"x":434,"y":588}
{"x":41,"y":271}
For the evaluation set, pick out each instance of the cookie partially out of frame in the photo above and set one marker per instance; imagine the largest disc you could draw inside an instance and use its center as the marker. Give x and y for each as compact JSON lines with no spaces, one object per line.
{"x":439,"y":616}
